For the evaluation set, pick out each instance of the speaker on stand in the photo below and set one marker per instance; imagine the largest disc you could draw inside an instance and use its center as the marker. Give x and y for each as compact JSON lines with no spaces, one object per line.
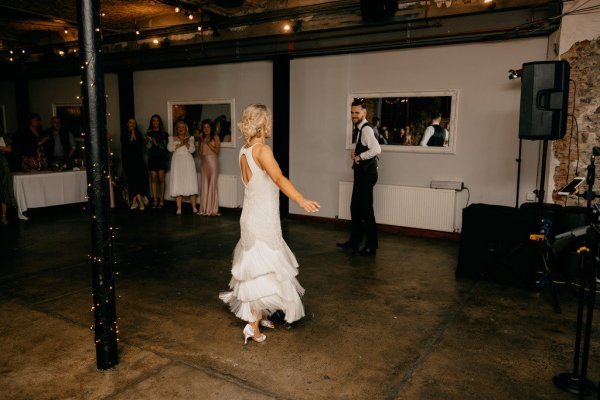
{"x":543,"y":109}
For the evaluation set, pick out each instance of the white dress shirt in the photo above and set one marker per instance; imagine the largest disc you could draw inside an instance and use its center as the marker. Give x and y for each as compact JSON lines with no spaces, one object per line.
{"x":367,"y":138}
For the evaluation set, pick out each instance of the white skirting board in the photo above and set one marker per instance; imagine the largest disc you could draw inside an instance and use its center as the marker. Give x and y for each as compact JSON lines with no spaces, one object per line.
{"x":414,"y":207}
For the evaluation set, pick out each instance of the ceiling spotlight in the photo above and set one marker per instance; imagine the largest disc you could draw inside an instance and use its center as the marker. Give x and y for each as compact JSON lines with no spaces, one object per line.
{"x":287,"y":28}
{"x":514,"y":74}
{"x":66,"y":31}
{"x":155,"y":41}
{"x":177,"y":9}
{"x":23,"y":51}
{"x":11,"y":52}
{"x":137,"y":31}
{"x":199,"y":28}
{"x":61,"y":52}
{"x":191,"y":16}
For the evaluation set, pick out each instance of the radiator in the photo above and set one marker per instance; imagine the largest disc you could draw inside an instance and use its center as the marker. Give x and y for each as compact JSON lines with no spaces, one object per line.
{"x":414,"y":207}
{"x":228,"y":187}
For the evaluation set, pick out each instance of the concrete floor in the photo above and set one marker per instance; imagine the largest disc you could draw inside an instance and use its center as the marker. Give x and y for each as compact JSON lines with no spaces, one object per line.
{"x":399,"y":326}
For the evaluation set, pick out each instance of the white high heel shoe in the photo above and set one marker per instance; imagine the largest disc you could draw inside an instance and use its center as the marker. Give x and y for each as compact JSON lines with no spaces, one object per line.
{"x":249,"y":333}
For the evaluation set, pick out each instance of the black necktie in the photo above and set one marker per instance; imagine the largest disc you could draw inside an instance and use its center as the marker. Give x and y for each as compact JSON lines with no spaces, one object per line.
{"x":355,"y":135}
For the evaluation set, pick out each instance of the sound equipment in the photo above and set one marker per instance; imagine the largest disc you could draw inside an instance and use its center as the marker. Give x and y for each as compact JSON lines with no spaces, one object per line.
{"x":544,"y":100}
{"x":495,"y":245}
{"x":378,"y":10}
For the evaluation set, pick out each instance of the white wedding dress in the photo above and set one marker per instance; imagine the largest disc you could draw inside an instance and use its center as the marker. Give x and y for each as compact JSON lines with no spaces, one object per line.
{"x":183,"y":179}
{"x":264,"y":268}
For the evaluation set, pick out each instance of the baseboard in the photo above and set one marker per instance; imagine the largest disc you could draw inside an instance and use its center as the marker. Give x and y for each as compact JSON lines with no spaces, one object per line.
{"x":426,"y":233}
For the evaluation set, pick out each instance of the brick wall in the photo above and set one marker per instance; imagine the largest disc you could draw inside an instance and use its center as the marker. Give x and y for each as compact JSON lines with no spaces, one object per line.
{"x":584,"y":59}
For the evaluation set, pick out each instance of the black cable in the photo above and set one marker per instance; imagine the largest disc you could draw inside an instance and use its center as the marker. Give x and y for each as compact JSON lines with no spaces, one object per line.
{"x":468,"y":195}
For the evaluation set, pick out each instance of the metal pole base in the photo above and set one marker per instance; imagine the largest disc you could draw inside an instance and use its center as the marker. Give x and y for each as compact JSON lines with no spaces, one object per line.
{"x":571,"y":383}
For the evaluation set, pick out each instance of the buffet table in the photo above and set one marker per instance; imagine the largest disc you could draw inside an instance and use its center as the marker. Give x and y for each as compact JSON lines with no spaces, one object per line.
{"x":44,"y":189}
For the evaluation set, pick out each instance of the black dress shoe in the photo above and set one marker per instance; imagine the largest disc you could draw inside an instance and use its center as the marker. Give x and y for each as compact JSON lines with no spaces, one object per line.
{"x":365,"y":252}
{"x":347,"y":245}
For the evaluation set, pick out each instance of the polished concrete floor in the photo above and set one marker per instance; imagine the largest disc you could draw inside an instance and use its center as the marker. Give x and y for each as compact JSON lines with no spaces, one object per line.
{"x":396,"y":326}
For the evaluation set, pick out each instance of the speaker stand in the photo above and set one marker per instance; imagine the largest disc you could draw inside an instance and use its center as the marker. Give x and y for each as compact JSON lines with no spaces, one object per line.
{"x":518,"y":160}
{"x":576,"y":382}
{"x":540,"y":192}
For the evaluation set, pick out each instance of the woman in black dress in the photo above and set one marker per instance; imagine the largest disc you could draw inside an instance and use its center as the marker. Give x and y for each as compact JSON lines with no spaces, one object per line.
{"x":6,"y":187}
{"x":158,"y":158}
{"x":132,"y":151}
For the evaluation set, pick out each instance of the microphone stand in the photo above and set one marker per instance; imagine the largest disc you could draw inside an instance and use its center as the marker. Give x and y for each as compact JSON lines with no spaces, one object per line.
{"x":576,"y":382}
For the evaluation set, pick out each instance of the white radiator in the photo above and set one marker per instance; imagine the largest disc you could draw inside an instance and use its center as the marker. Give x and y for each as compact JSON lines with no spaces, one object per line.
{"x":228,"y":187}
{"x":413,"y":207}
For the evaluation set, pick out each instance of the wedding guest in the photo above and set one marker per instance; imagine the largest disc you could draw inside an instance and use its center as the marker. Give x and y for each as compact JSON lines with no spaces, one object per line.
{"x":183,"y":178}
{"x":132,"y":152}
{"x":223,"y":128}
{"x":60,"y":143}
{"x":6,"y":179}
{"x":29,"y":145}
{"x":209,"y":147}
{"x":158,"y":158}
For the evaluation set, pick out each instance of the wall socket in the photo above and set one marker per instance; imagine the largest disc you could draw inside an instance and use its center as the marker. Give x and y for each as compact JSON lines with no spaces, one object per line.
{"x":529,"y":196}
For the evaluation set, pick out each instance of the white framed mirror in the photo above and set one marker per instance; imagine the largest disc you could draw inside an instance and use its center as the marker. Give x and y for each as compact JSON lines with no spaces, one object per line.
{"x":401,"y":119}
{"x":220,"y":113}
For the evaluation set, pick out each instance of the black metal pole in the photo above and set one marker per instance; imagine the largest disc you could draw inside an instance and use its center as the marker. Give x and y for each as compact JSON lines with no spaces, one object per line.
{"x":542,"y":191}
{"x":590,"y":272}
{"x":518,"y":160}
{"x":576,"y":381}
{"x":96,"y":155}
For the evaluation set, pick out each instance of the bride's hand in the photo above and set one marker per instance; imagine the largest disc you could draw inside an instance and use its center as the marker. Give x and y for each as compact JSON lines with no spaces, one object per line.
{"x":309,"y":205}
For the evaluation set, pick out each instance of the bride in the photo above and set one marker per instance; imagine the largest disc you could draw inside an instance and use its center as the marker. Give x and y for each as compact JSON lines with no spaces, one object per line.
{"x":264,"y":269}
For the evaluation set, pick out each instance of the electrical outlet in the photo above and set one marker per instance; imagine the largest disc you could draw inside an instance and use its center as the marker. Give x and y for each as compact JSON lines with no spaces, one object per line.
{"x":530,"y":196}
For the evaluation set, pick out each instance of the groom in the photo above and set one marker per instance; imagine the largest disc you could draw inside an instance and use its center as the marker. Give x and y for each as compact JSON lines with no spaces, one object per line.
{"x":364,"y":158}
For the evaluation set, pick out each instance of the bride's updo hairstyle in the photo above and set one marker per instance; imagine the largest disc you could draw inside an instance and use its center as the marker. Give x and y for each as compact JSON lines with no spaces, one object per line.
{"x":256,"y":122}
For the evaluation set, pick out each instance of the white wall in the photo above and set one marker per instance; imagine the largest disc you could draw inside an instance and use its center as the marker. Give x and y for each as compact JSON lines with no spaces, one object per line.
{"x":488,"y":113}
{"x":244,"y":82}
{"x":488,"y":117}
{"x":43,"y":93}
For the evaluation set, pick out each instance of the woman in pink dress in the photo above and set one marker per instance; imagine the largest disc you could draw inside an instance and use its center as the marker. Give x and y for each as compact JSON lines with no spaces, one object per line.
{"x":208,"y":148}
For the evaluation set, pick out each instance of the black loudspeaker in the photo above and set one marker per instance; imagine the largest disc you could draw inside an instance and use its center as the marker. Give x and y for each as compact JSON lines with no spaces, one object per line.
{"x":495,"y":245}
{"x":378,"y":10}
{"x":544,"y":100}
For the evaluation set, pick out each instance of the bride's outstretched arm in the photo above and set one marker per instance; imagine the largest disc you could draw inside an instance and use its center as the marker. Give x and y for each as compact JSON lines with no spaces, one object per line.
{"x":267,"y":162}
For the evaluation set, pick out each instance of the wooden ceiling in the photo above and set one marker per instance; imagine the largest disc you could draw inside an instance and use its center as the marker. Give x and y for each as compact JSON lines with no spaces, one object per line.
{"x":204,"y":31}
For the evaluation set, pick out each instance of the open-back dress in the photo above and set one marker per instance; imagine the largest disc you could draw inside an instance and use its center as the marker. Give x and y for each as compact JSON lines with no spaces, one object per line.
{"x":264,"y":268}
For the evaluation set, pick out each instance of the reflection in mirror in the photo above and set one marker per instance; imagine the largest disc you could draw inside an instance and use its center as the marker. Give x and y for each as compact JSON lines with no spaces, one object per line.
{"x":71,"y":118}
{"x":218,"y":112}
{"x":401,"y":120}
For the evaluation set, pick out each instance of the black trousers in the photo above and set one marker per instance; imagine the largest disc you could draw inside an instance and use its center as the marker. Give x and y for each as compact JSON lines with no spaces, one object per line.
{"x":361,"y":207}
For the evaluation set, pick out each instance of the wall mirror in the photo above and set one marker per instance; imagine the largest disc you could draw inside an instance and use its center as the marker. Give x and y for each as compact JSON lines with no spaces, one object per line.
{"x":71,"y":118}
{"x":404,"y":116}
{"x":218,"y":112}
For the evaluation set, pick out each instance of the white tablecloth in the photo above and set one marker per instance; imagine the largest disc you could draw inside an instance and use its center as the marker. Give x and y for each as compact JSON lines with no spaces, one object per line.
{"x":43,"y":189}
